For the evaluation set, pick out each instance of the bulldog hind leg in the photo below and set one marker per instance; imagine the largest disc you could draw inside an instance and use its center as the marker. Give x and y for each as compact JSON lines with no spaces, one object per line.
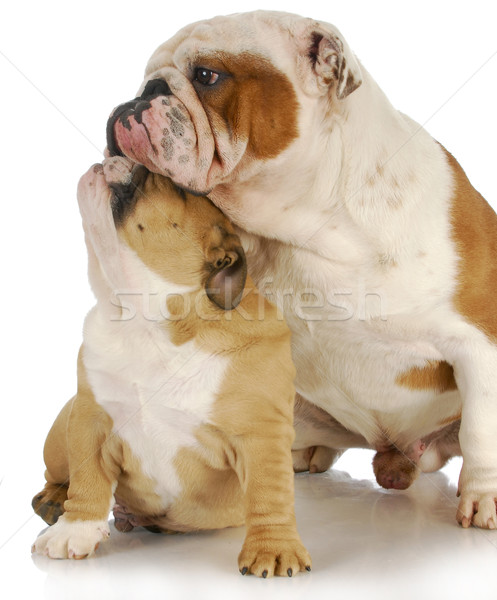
{"x":320,"y":439}
{"x":315,"y":459}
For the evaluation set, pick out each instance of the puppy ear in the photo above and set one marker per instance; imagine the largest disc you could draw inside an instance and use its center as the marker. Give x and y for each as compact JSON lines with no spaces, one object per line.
{"x":332,"y":61}
{"x":228,"y":272}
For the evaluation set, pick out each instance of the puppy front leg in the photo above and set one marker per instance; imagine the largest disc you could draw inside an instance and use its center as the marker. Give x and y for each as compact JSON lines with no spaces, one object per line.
{"x":92,"y":476}
{"x":477,"y":381}
{"x":272,"y":544}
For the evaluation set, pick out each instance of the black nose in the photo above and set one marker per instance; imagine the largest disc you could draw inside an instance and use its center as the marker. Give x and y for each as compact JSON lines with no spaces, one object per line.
{"x":126,"y":195}
{"x":135,"y":108}
{"x":154,"y":88}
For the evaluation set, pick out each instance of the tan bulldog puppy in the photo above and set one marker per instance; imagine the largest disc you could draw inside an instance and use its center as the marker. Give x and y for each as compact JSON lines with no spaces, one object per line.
{"x":184,"y":407}
{"x":356,"y":222}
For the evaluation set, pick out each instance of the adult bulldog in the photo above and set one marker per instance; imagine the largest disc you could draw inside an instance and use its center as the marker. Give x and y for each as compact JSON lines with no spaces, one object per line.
{"x":362,"y":227}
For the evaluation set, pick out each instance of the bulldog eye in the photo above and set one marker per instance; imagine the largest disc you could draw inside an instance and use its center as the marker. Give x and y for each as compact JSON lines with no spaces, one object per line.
{"x":206,"y":76}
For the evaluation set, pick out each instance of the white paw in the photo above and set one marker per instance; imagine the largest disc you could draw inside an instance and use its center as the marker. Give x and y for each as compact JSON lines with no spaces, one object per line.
{"x":477,"y":509}
{"x":118,"y":169}
{"x":71,"y":539}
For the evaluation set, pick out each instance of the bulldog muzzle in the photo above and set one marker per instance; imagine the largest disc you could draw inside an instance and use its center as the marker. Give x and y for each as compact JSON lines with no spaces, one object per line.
{"x":156,"y":130}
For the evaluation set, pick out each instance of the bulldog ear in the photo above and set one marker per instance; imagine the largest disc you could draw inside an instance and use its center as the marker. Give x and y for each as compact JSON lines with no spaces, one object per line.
{"x":228,"y":273}
{"x":332,"y":61}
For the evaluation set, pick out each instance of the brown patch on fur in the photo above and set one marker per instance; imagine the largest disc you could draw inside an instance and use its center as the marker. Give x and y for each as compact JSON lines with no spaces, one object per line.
{"x":438,"y":376}
{"x":450,"y":419}
{"x":254,"y":101}
{"x":474,"y":229}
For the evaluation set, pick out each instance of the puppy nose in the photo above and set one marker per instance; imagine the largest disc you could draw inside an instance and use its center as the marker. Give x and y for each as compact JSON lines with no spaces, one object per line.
{"x":125,"y":194}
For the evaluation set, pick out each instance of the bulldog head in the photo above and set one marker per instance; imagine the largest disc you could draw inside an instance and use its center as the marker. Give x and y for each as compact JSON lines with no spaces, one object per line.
{"x":142,"y":232}
{"x":225,"y":96}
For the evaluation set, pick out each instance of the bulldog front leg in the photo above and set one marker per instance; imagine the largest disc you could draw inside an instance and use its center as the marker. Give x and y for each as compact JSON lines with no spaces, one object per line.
{"x":477,"y":380}
{"x":272,"y":544}
{"x":92,"y":476}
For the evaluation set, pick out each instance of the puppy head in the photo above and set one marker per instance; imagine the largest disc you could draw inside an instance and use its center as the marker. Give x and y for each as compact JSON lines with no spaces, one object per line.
{"x":184,"y":239}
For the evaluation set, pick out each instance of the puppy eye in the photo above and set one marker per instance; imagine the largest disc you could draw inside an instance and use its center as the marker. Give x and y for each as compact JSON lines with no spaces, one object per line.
{"x":206,"y":76}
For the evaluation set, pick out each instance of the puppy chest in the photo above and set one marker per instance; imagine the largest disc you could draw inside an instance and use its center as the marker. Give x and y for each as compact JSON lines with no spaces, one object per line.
{"x":156,"y":407}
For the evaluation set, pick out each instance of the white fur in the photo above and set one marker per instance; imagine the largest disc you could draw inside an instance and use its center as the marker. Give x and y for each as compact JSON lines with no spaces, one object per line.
{"x":380,"y":268}
{"x":71,"y":539}
{"x":355,"y":214}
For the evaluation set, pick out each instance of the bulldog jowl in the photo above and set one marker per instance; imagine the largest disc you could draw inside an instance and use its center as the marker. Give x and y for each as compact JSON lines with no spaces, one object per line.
{"x":156,"y":130}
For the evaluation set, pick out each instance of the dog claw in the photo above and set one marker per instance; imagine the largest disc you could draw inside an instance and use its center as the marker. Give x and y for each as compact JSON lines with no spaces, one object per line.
{"x":244,"y":571}
{"x":308,"y":568}
{"x":264,"y":574}
{"x":290,"y":572}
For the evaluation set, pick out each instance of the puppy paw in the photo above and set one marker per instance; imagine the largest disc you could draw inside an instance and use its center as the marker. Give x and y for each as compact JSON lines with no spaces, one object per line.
{"x":118,"y":170}
{"x":49,"y":503}
{"x":71,"y":539}
{"x":478,"y":510}
{"x":265,"y":557}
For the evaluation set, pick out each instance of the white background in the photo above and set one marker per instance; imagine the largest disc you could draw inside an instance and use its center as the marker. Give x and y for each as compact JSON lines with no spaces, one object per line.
{"x":63,"y":67}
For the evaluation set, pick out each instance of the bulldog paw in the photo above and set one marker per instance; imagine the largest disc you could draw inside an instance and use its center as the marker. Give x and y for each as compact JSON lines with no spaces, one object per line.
{"x":266,"y":557}
{"x":71,"y":539}
{"x":315,"y":459}
{"x":478,"y":510}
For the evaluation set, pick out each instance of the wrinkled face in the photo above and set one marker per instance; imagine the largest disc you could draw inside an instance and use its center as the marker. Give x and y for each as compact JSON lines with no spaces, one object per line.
{"x":183,"y":239}
{"x":224,"y":94}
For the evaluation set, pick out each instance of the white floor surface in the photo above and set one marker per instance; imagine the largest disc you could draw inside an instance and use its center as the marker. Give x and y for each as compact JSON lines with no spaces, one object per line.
{"x":365,"y":542}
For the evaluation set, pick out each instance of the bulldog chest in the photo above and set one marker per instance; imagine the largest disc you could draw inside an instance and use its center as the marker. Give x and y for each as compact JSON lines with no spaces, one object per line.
{"x":356,"y":342}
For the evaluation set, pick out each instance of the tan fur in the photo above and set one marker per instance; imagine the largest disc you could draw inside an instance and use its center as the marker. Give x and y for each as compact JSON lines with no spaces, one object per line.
{"x":474,"y":228}
{"x":77,"y":455}
{"x":435,"y":375}
{"x":241,"y":469}
{"x":190,"y":227}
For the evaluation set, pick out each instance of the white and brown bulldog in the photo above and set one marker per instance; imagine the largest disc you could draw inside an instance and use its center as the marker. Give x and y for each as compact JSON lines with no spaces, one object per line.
{"x":184,"y":408}
{"x":363,"y":229}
